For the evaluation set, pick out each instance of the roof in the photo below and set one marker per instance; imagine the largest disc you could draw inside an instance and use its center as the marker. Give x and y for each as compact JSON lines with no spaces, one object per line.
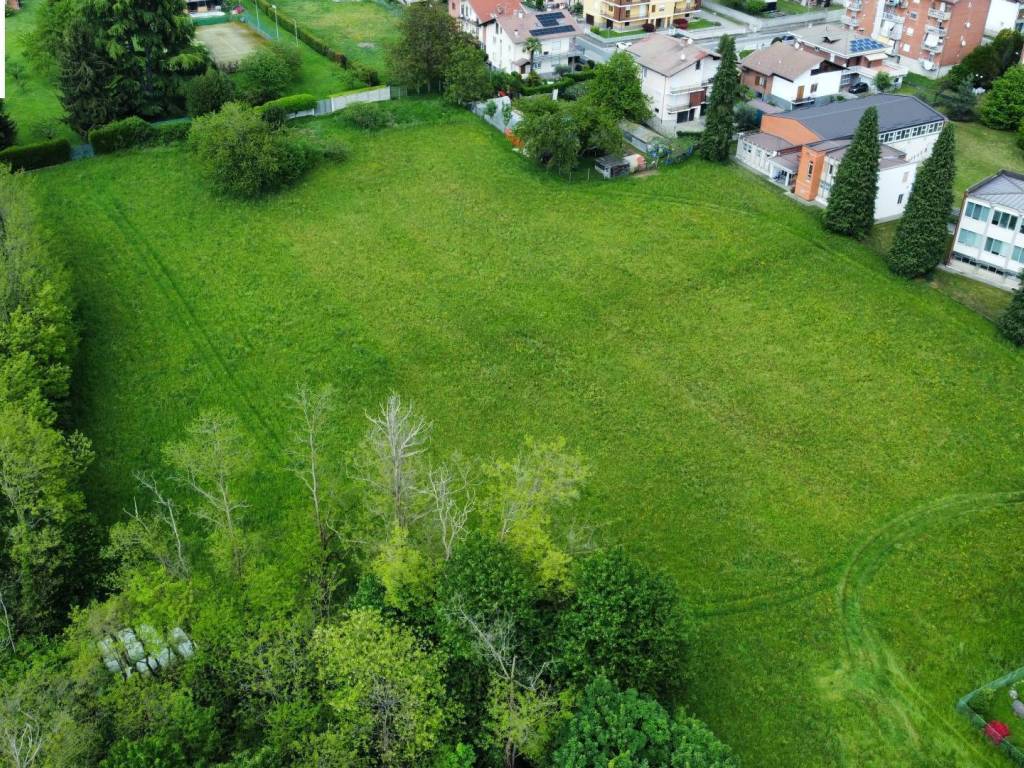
{"x":782,"y":60}
{"x":544,"y":25}
{"x":767,"y":141}
{"x":888,"y":157}
{"x":839,"y":119}
{"x":611,"y":161}
{"x":1005,"y":188}
{"x":667,"y":55}
{"x":487,"y":10}
{"x":839,"y":39}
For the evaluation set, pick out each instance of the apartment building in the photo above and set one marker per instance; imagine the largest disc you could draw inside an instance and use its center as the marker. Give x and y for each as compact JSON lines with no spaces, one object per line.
{"x":989,"y":241}
{"x":478,"y":17}
{"x":928,"y":36}
{"x":556,"y":31}
{"x":675,"y":75}
{"x":790,"y":77}
{"x":801,"y":150}
{"x":626,"y":16}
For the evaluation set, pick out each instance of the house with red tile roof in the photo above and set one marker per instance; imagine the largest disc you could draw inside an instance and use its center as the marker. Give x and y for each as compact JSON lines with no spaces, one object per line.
{"x":478,"y":17}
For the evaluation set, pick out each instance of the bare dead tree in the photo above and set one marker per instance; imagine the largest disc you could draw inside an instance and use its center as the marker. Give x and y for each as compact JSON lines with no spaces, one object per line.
{"x":443,"y":486}
{"x":6,"y":623}
{"x":22,"y":737}
{"x":394,"y":443}
{"x":160,"y":524}
{"x":207,"y":463}
{"x":314,"y":409}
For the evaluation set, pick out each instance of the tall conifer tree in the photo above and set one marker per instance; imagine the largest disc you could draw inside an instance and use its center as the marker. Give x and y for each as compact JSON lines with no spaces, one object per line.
{"x":851,"y":203}
{"x":714,"y":142}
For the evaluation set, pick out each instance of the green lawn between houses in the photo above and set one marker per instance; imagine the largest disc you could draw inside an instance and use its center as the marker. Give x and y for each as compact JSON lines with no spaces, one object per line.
{"x":361,"y":29}
{"x":827,"y":458}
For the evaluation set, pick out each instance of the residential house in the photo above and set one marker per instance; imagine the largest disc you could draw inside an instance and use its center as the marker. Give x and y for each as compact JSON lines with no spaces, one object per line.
{"x":790,"y":77}
{"x":555,"y":31}
{"x":801,"y":150}
{"x":989,"y":240}
{"x":628,"y":15}
{"x":860,"y":56}
{"x":1004,"y":14}
{"x":675,"y":75}
{"x":929,"y":36}
{"x":477,"y":17}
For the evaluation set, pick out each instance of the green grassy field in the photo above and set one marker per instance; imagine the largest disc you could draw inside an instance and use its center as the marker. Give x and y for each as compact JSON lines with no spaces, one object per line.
{"x":826,"y":458}
{"x":361,"y":29}
{"x":32,"y":101}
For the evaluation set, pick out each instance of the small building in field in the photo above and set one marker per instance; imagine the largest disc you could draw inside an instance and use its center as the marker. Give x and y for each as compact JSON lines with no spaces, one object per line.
{"x":989,"y":241}
{"x":508,"y":48}
{"x":801,"y":150}
{"x":675,"y":75}
{"x":790,"y":77}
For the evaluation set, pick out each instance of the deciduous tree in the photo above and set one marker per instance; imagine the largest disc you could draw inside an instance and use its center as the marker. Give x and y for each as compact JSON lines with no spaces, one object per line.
{"x":851,"y":202}
{"x":427,"y":39}
{"x":1003,"y":106}
{"x":466,"y":76}
{"x":616,"y":88}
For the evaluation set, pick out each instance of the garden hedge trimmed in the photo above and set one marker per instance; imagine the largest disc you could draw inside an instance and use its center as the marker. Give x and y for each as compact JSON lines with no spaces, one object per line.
{"x":30,"y":156}
{"x":304,"y":34}
{"x":121,"y":134}
{"x":277,"y":111}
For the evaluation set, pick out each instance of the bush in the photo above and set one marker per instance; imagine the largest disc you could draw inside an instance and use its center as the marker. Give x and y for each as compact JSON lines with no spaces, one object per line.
{"x":242,"y":156}
{"x":367,"y":75}
{"x":208,"y":92}
{"x":369,"y":117}
{"x":982,"y":701}
{"x":168,"y":133}
{"x":1011,"y":324}
{"x":263,"y":75}
{"x":1003,"y":106}
{"x":30,"y":156}
{"x":8,"y":128}
{"x":121,"y":134}
{"x":300,"y":102}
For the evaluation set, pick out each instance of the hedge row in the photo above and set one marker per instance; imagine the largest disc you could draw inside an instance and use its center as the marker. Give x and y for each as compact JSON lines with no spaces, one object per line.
{"x":30,"y":156}
{"x":304,"y":34}
{"x":570,"y":78}
{"x":135,"y":132}
{"x":286,"y":105}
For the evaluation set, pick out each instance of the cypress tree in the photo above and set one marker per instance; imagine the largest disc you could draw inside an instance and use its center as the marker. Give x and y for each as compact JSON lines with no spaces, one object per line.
{"x":1011,"y":324}
{"x":851,"y":204}
{"x":85,"y":77}
{"x":921,"y":237}
{"x":714,"y":142}
{"x":8,"y":128}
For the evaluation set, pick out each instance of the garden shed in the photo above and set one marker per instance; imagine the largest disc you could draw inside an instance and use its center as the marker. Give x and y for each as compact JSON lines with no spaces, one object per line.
{"x":611,"y":166}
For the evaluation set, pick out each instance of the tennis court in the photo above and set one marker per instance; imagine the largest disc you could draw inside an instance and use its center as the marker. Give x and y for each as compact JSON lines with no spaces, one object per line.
{"x":228,"y":43}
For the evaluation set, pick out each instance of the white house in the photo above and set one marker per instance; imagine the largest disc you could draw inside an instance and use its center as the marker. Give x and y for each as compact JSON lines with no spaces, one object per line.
{"x":1003,"y":14}
{"x":554,"y":31}
{"x":801,"y":150}
{"x":477,"y":17}
{"x":989,"y":240}
{"x":790,"y":77}
{"x":675,"y":75}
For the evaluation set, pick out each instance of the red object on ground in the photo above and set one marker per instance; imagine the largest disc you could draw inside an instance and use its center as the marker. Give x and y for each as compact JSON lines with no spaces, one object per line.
{"x":997,"y":731}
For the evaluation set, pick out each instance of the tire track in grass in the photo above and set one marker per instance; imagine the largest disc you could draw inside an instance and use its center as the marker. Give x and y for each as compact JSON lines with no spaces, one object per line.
{"x":870,"y":664}
{"x":160,"y":275}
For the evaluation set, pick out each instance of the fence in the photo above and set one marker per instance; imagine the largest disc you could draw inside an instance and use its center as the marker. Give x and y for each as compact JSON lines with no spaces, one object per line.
{"x":502,"y":104}
{"x":769,"y":23}
{"x":339,"y":101}
{"x":1015,"y":753}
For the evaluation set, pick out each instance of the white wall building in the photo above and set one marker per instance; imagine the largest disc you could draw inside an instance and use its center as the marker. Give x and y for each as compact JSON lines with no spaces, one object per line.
{"x":989,"y":240}
{"x":675,"y":75}
{"x":555,"y":31}
{"x":790,"y":77}
{"x":1003,"y":14}
{"x":477,"y":17}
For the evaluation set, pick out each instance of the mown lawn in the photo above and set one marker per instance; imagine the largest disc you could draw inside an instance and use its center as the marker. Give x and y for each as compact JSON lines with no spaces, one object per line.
{"x":827,"y":458}
{"x":32,"y":100}
{"x":361,"y":29}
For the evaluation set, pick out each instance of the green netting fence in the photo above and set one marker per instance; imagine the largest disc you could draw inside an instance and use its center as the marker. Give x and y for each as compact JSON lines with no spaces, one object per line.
{"x":963,"y":706}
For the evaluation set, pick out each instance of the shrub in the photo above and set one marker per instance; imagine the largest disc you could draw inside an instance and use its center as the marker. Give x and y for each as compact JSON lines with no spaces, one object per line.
{"x":121,"y":134}
{"x":208,"y":92}
{"x":491,"y":109}
{"x":8,"y":128}
{"x":168,"y":133}
{"x":30,"y":156}
{"x":242,"y":156}
{"x":369,"y":117}
{"x":263,"y":75}
{"x":299,"y":102}
{"x":982,"y":701}
{"x":1011,"y":324}
{"x":367,"y":75}
{"x":1003,"y":106}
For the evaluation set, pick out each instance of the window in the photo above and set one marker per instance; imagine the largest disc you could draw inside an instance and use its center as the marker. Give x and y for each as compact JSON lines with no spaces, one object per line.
{"x":810,"y":169}
{"x":760,"y":80}
{"x":697,"y":65}
{"x":913,"y":15}
{"x":906,"y":47}
{"x":906,"y":176}
{"x":976,"y":211}
{"x":1004,"y":219}
{"x":993,"y":246}
{"x":899,"y":200}
{"x":1018,"y":254}
{"x":814,"y":87}
{"x":968,"y":238}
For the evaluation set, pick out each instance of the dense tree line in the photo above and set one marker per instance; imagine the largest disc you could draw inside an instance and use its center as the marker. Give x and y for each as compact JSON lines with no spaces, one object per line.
{"x":43,"y":522}
{"x":407,"y":610}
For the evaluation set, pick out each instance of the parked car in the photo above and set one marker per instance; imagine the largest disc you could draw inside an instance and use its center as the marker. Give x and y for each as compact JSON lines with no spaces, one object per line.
{"x":623,"y":46}
{"x":861,"y":87}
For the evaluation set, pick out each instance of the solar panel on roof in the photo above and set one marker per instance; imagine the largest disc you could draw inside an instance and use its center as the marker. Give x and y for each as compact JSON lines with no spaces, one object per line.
{"x":541,"y":31}
{"x":549,"y":19}
{"x":862,"y":44}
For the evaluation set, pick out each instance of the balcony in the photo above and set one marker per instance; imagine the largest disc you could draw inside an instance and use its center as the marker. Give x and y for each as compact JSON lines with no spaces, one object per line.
{"x":894,"y":18}
{"x":935,"y":46}
{"x":937,"y":31}
{"x":854,"y":5}
{"x":936,"y":13}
